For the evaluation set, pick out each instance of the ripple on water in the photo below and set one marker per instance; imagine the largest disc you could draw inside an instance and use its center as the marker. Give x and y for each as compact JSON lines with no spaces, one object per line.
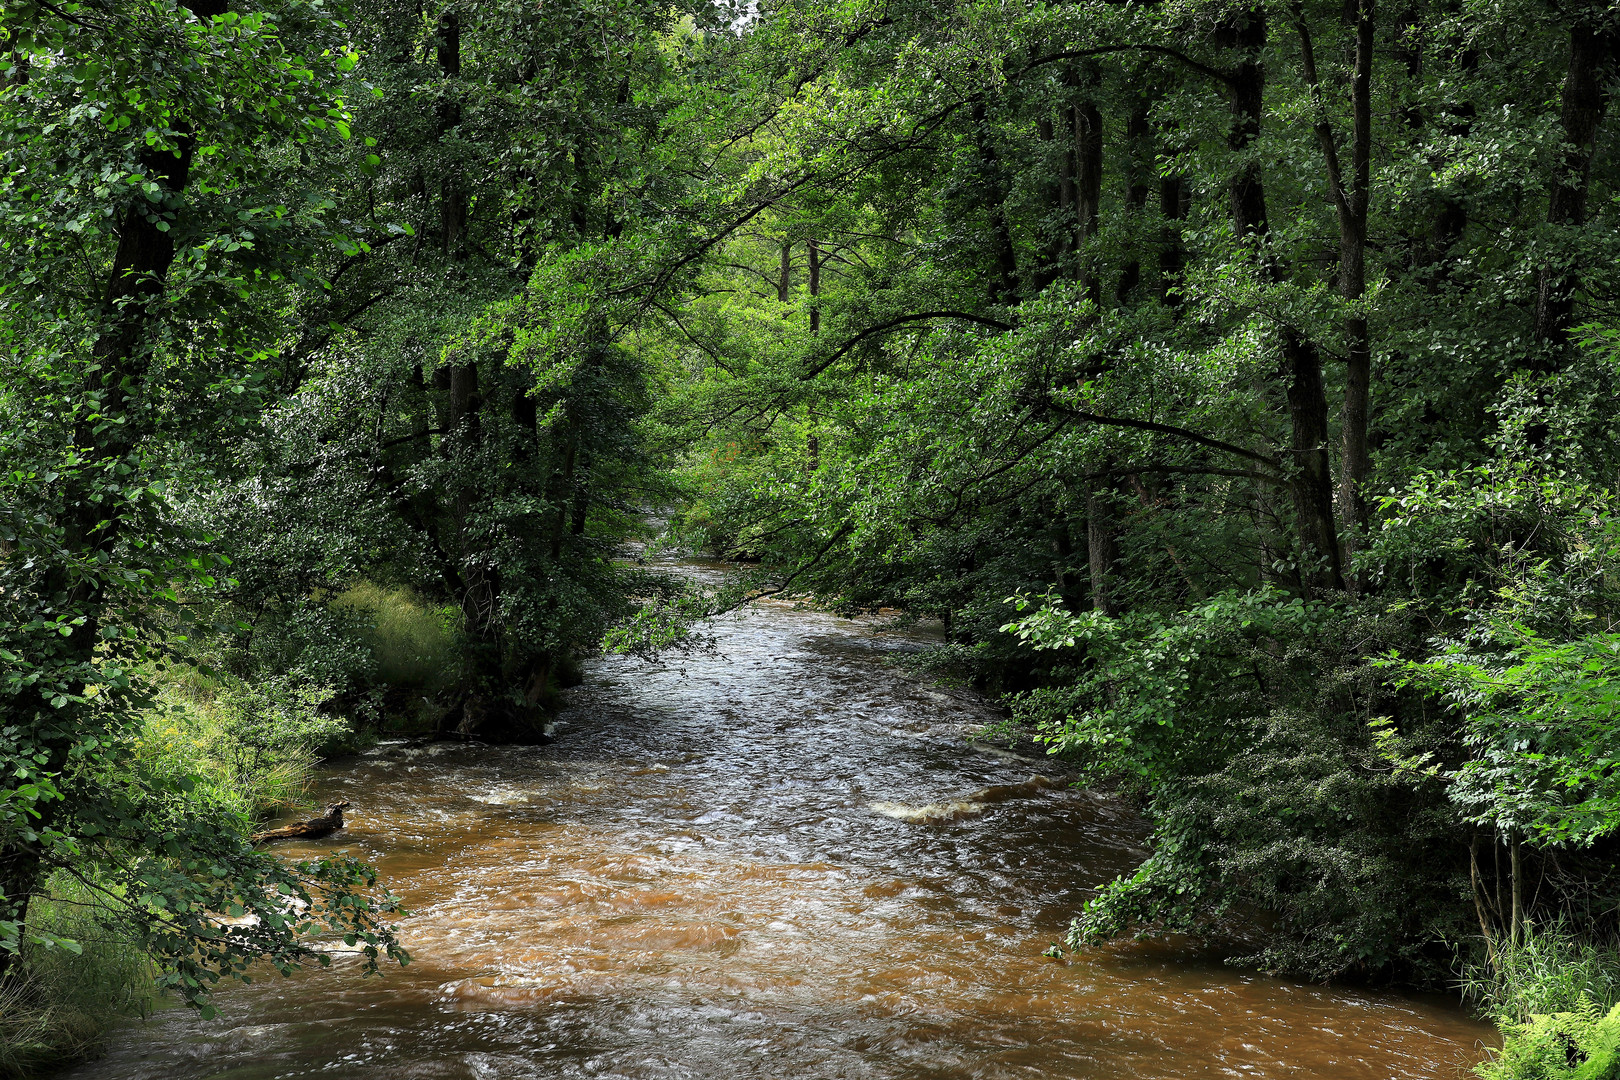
{"x":779,"y":860}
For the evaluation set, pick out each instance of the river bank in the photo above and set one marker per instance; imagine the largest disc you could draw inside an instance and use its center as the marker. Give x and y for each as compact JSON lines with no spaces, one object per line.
{"x":726,"y":866}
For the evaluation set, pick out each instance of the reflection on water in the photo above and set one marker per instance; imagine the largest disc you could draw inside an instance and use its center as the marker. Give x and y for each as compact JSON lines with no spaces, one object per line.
{"x":782,"y":860}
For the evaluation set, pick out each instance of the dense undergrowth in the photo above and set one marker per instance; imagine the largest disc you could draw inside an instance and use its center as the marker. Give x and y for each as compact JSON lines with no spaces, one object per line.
{"x":235,"y":728}
{"x":1556,"y":996}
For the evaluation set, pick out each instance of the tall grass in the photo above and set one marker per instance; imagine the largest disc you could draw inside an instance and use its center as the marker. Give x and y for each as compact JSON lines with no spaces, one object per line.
{"x":1554,"y":995}
{"x":57,"y":1006}
{"x":1551,"y":971}
{"x":411,"y":644}
{"x":250,"y":748}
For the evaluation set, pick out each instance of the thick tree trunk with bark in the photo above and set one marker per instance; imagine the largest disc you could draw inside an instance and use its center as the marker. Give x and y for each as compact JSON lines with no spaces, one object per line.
{"x":1312,"y":482}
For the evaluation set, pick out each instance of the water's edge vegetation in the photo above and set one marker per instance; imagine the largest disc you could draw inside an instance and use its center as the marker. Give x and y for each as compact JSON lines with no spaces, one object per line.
{"x":1234,"y":383}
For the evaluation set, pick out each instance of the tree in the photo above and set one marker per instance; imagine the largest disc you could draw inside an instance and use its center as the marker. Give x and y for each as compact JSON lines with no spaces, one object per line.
{"x":149,"y":223}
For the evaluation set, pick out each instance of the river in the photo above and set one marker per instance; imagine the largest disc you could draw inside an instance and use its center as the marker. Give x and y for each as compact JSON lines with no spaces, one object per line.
{"x":782,"y":859}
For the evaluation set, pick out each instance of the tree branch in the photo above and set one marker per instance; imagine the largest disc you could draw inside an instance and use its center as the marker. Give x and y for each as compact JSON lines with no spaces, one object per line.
{"x":881,"y":328}
{"x":1191,"y":470}
{"x":413,"y":435}
{"x":1324,"y":130}
{"x":1166,"y":429}
{"x":1080,"y":54}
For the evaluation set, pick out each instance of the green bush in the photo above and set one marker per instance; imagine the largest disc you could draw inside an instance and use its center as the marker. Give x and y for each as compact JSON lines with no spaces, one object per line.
{"x":57,"y":1004}
{"x":1583,"y":1044}
{"x":1244,"y":726}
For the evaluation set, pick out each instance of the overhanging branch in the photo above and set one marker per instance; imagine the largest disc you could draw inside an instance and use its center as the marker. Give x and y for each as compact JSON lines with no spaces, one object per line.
{"x":1166,"y":429}
{"x":883,"y":328}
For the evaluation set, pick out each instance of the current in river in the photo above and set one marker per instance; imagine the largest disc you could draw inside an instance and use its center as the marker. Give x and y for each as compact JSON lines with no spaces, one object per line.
{"x":784,"y":859}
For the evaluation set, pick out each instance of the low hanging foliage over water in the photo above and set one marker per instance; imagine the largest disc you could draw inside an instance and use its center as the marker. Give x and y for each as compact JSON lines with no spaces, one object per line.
{"x":1234,"y":384}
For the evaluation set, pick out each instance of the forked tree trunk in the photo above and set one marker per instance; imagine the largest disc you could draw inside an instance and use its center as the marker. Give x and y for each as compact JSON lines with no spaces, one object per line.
{"x":1300,"y":369}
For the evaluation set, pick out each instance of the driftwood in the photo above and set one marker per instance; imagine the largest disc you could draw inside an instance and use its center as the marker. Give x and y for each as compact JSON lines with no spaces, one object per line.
{"x":313,"y":829}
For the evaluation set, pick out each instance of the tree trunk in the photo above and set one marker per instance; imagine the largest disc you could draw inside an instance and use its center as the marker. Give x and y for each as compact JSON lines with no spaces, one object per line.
{"x":1102,"y":548}
{"x":1139,"y":133}
{"x":1516,"y":920}
{"x":812,"y":445}
{"x":815,"y":286}
{"x":1350,"y":194}
{"x":1088,"y":155}
{"x":453,"y":195}
{"x":1172,"y":257}
{"x":1004,"y":286}
{"x":1585,"y":98}
{"x":1301,"y":365}
{"x":1312,"y":482}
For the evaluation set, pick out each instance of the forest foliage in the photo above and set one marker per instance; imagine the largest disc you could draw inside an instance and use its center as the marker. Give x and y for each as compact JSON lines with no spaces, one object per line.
{"x":1233,"y":381}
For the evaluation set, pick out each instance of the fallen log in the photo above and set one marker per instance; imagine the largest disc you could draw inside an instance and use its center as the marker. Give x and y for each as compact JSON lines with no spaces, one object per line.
{"x":313,"y":829}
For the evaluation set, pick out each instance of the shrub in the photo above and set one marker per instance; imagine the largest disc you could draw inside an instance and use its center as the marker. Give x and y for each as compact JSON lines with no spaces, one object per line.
{"x":57,"y":1004}
{"x":1244,"y":723}
{"x":1583,"y":1044}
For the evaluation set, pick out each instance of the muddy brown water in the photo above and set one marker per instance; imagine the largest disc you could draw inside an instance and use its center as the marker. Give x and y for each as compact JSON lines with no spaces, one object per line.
{"x":780,"y":860}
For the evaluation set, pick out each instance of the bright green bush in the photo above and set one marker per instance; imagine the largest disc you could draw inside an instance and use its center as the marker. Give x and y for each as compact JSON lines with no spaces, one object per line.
{"x":1583,"y":1044}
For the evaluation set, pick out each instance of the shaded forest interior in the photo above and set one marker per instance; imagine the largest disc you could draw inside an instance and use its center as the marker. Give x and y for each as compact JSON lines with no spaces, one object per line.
{"x":1235,"y":383}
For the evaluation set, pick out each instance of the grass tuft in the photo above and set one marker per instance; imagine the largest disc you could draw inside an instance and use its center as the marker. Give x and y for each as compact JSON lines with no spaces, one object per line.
{"x":57,"y":1006}
{"x":1550,"y":971}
